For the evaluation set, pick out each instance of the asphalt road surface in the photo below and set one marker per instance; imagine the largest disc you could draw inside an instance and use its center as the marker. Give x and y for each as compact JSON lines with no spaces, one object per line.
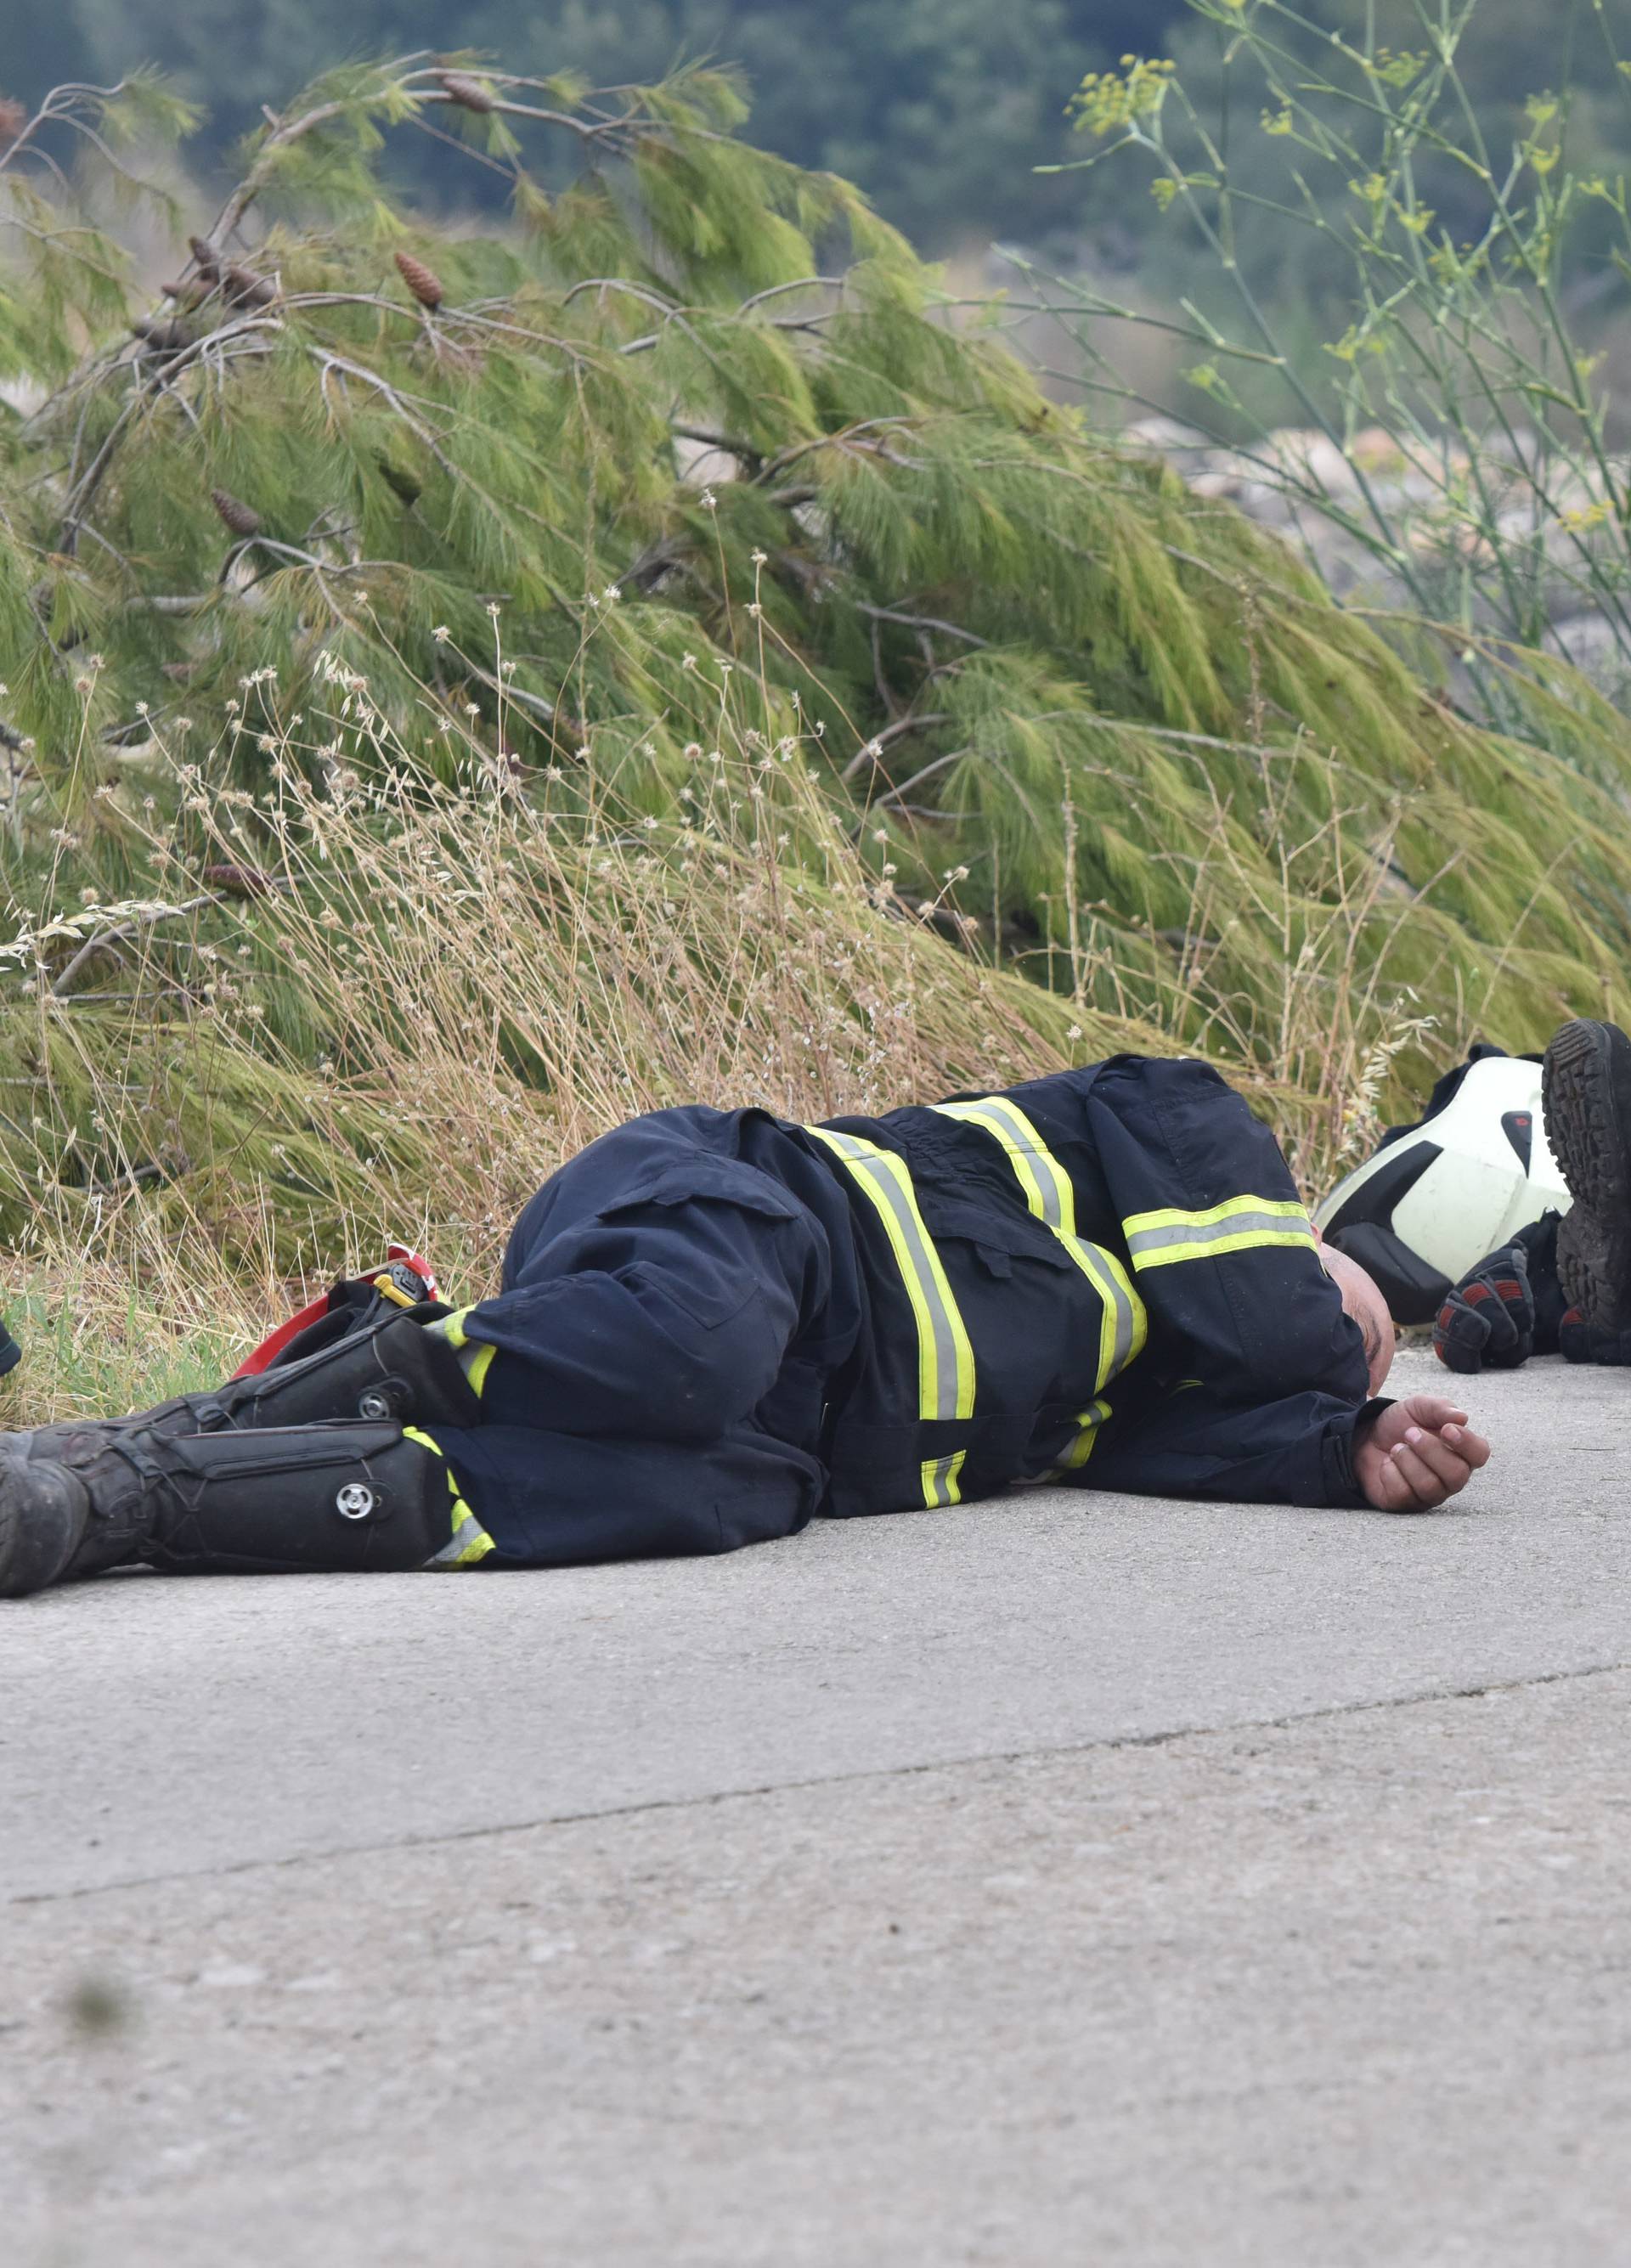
{"x":1069,"y":1880}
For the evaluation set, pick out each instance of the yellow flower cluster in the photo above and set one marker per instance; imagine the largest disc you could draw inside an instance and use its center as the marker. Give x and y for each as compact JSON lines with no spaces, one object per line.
{"x":1396,"y":69}
{"x":1106,"y":101}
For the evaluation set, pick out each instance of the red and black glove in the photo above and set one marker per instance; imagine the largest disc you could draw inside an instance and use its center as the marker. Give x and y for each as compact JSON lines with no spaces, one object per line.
{"x":1490,"y":1315}
{"x":1579,"y":1341}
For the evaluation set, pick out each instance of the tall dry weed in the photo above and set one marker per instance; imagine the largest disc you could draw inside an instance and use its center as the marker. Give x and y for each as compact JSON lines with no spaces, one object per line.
{"x":380,"y":1004}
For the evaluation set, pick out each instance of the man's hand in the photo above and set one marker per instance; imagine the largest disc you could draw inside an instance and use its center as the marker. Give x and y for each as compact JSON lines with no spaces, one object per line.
{"x":1416,"y":1453}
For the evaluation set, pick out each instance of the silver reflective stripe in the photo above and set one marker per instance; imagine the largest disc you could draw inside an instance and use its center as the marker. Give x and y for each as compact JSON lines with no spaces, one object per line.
{"x":1082,"y":1447}
{"x":474,"y":1355}
{"x":1051,"y":1199}
{"x":939,"y":1480}
{"x":1047,"y":1186}
{"x":470,"y":1542}
{"x":945,"y":1355}
{"x":1240,"y":1224}
{"x":1127,"y":1322}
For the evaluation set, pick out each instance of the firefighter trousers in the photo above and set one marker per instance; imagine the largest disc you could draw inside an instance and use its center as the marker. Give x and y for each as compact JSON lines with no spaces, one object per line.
{"x":657,"y":1380}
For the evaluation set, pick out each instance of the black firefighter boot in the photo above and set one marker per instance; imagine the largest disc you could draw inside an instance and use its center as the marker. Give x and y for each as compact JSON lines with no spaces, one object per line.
{"x":270,"y":1501}
{"x":1586,"y":1095}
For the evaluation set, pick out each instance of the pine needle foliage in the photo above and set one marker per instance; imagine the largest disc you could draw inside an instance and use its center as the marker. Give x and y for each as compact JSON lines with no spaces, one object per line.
{"x":692,"y":426}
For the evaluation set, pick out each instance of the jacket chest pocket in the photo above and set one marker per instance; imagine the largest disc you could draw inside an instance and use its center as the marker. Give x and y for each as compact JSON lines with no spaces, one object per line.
{"x":1049,"y":1320}
{"x":998,"y":1244}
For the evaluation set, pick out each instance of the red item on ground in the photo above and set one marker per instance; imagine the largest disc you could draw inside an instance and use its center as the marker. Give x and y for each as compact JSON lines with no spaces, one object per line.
{"x":398,"y":1256}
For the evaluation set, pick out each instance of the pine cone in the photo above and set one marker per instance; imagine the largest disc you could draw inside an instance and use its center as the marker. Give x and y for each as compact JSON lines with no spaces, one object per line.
{"x":243,"y":288}
{"x":470,"y":93}
{"x":238,"y":516}
{"x":205,"y":254}
{"x":240,"y":881}
{"x":187,"y":295}
{"x":423,"y":281}
{"x":14,"y":117}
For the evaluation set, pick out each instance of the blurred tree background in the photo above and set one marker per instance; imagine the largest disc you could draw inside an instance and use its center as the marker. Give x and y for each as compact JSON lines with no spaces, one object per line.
{"x":951,"y":116}
{"x":937,"y":108}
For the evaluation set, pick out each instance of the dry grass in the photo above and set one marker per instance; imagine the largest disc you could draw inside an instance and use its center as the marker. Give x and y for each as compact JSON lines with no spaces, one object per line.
{"x":416,"y":1001}
{"x":1330,"y":1011}
{"x":400,"y":1004}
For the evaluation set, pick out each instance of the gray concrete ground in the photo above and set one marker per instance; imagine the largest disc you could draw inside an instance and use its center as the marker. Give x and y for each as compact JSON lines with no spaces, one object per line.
{"x":1075,"y":1879}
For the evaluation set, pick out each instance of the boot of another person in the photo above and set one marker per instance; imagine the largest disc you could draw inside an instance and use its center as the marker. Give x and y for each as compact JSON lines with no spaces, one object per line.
{"x":358,"y":1496}
{"x":1586,"y":1097}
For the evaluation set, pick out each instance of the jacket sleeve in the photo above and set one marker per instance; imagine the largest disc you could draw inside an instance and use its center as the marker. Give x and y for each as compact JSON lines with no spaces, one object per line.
{"x":1253,"y":1378}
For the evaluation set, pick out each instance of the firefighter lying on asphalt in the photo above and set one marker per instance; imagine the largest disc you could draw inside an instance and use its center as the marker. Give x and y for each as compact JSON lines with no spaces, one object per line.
{"x":715,"y":1325}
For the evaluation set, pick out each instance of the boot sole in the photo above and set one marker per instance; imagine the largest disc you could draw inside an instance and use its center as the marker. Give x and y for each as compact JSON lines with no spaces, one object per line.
{"x":1589,"y":1141}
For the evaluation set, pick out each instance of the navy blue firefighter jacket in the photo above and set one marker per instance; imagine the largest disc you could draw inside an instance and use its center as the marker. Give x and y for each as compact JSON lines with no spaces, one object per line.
{"x":716,"y":1324}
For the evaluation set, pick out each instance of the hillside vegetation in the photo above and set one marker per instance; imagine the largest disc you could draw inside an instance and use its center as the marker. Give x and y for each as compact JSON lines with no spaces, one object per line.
{"x":462,"y":684}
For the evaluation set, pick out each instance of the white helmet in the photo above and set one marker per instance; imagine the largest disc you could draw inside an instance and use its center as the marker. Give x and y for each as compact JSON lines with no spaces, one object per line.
{"x":1439,"y":1195}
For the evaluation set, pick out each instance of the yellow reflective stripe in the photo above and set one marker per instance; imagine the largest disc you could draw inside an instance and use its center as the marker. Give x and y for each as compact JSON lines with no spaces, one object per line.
{"x":1076,"y":1454}
{"x":1082,"y":1447}
{"x":474,"y":1355}
{"x":470,"y":1541}
{"x":1171,"y":1216}
{"x":1155,"y":1239}
{"x":945,"y":1353}
{"x":1051,"y":1199}
{"x":1215,"y":1247}
{"x":939,"y":1480}
{"x":1124,"y":1326}
{"x":1047,"y":1186}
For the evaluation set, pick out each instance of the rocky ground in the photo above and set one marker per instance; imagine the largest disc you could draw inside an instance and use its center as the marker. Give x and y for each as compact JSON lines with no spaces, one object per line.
{"x":1480,"y":540}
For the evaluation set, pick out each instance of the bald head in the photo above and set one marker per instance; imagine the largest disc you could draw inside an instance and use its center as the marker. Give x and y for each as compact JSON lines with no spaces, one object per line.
{"x":1364,"y":1302}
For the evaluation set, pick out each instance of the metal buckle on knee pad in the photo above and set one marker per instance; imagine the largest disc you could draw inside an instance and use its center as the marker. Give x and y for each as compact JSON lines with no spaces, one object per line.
{"x":359,"y":1501}
{"x":391,"y":1373}
{"x":388,"y":1399}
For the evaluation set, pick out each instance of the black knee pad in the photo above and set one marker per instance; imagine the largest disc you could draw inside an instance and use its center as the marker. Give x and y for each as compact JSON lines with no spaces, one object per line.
{"x":281,"y":1499}
{"x":394,"y":1369}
